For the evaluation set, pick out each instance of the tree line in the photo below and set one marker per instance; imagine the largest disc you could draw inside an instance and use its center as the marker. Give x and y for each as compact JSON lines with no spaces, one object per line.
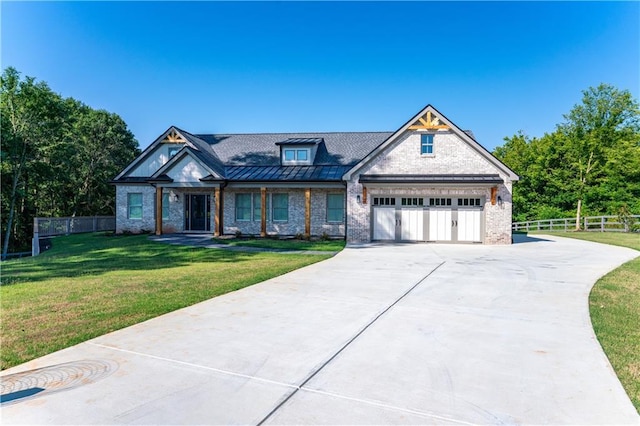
{"x":58,"y":156}
{"x":589,"y":165}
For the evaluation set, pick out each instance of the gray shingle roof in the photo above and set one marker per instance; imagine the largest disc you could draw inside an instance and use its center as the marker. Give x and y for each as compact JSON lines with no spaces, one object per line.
{"x":260,"y":149}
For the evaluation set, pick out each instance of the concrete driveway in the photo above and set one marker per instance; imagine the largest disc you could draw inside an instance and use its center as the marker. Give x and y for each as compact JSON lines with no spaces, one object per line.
{"x":389,"y":334}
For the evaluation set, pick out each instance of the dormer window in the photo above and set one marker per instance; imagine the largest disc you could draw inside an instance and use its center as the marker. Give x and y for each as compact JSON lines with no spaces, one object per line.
{"x":299,"y":151}
{"x":295,"y":156}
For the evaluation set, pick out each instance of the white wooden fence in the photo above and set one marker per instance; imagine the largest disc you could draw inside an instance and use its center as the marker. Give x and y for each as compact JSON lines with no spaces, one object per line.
{"x":588,"y":223}
{"x":52,"y":226}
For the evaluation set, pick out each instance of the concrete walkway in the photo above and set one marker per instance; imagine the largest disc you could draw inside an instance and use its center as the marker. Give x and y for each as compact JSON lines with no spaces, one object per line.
{"x":396,"y":334}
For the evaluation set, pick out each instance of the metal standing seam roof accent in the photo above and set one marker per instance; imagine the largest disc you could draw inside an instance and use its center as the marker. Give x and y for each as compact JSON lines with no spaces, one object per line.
{"x":285,"y":173}
{"x":301,"y":141}
{"x":452,"y":179}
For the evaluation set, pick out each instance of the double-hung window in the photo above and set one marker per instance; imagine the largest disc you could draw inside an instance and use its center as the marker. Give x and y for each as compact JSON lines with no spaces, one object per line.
{"x":134,"y":205}
{"x":280,"y":203}
{"x":426,"y":144}
{"x":243,"y":207}
{"x":335,"y":207}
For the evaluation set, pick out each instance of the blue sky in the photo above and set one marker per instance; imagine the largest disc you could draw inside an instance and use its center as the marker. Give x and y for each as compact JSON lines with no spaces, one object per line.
{"x":213,"y":67}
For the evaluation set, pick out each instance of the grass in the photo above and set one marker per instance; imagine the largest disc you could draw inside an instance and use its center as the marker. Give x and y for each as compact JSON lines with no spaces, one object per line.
{"x":91,"y":284}
{"x":614,"y":304}
{"x":290,"y":244}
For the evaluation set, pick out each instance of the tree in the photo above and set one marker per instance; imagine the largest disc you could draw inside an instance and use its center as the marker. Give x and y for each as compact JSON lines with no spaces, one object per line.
{"x":30,"y":117}
{"x":606,"y":117}
{"x":58,"y":156}
{"x":591,"y":162}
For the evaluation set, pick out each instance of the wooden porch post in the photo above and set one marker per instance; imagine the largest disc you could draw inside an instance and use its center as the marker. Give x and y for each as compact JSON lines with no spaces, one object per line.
{"x":307,"y":212}
{"x":263,"y":212}
{"x":217,"y":214}
{"x":158,"y":210}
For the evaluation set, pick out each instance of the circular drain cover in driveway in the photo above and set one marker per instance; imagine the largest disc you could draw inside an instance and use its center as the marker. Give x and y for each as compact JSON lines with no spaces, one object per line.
{"x":19,"y":386}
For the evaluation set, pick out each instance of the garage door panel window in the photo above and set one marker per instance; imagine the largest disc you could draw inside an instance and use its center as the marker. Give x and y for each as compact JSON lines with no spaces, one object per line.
{"x":384,"y":201}
{"x":439,"y":201}
{"x":469,"y":202}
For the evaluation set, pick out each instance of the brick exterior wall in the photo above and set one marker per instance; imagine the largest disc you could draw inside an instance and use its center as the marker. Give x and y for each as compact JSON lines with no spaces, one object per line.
{"x":451,"y":156}
{"x":295,"y":224}
{"x":175,"y":221}
{"x":147,"y":223}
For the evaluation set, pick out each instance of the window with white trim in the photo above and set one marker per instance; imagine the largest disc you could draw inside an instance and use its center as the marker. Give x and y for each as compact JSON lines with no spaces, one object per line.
{"x":335,"y":207}
{"x":296,"y":156}
{"x":134,"y":205}
{"x":426,"y":144}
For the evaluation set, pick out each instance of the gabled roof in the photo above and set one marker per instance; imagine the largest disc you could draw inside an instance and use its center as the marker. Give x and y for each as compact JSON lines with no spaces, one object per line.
{"x":173,"y":130}
{"x":446,"y":123}
{"x":196,"y":155}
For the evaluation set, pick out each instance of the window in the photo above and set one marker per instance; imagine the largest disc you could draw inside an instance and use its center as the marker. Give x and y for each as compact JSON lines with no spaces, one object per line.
{"x":412,"y":201}
{"x":439,"y":201}
{"x":380,"y":201}
{"x":257,"y":207}
{"x":243,"y":207}
{"x":280,"y":204}
{"x":468,"y":201}
{"x":165,"y":206}
{"x":426,"y":144}
{"x":134,"y":205}
{"x":173,"y":150}
{"x":296,"y":156}
{"x":335,"y":207}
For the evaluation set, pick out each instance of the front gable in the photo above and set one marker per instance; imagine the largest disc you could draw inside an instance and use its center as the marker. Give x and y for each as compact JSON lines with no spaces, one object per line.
{"x":430,"y":144}
{"x":156,"y":155}
{"x":187,"y":167}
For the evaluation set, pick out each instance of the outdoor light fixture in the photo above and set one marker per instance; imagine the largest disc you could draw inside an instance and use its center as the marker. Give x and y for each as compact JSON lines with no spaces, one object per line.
{"x":500,"y":201}
{"x":358,"y":198}
{"x":176,"y":197}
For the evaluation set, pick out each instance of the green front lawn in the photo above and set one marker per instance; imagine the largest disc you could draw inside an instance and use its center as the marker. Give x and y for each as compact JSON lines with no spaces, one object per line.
{"x":614,"y":304}
{"x":90,"y":284}
{"x":289,"y":244}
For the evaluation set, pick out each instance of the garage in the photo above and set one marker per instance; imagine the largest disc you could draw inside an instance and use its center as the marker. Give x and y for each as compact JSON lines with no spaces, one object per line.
{"x":431,"y":219}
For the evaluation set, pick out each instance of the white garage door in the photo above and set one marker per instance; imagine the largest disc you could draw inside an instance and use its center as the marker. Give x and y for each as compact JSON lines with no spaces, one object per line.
{"x":384,"y":223}
{"x":412,"y":224}
{"x":469,"y":225}
{"x":440,"y":225}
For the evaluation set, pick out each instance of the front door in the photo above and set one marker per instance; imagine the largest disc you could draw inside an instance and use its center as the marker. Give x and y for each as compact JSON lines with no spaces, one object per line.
{"x":197,"y":212}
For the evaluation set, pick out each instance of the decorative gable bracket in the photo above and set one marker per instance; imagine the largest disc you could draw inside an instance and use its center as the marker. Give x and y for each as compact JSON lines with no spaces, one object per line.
{"x":174,"y":137}
{"x":428,"y":122}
